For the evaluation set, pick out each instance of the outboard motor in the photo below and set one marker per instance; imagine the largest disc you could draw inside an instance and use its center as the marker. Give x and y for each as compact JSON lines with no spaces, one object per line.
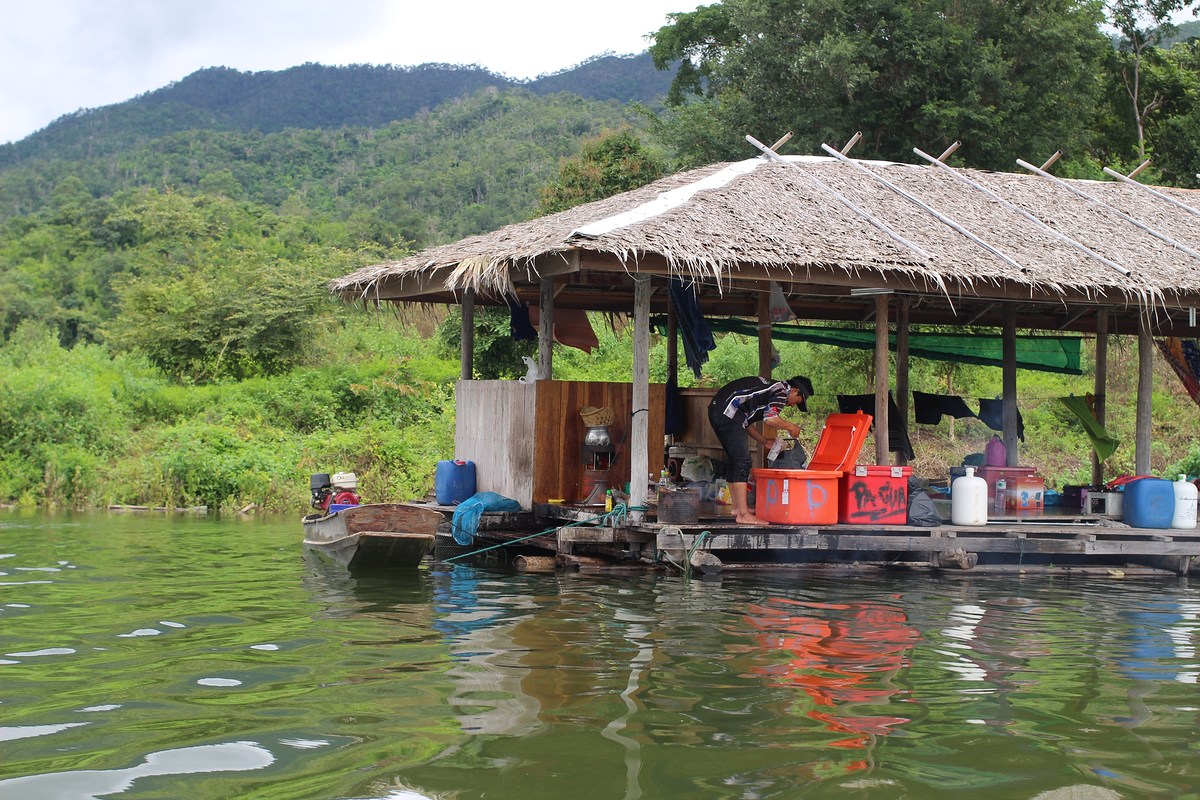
{"x":321,"y":487}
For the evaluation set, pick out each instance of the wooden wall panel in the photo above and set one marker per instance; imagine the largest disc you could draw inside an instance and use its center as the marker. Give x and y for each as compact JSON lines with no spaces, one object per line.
{"x":495,"y":427}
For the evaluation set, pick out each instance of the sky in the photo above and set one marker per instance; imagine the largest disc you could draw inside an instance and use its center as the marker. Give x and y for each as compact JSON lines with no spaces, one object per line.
{"x":60,"y":56}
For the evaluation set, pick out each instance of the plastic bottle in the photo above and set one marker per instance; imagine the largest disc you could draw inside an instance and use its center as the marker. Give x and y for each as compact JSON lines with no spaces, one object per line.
{"x":1184,"y":517}
{"x":777,"y":447}
{"x":968,"y":500}
{"x":608,"y":501}
{"x":1001,"y":498}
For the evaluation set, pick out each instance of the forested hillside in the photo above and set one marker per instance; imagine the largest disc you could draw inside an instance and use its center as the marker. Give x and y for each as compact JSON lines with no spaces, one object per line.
{"x":313,"y":96}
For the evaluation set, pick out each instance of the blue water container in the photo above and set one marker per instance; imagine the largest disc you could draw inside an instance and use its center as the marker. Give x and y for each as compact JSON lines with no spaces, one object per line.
{"x":1148,"y":503}
{"x":454,"y":481}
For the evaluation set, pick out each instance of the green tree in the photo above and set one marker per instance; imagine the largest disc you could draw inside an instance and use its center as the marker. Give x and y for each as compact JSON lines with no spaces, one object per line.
{"x":1008,"y":79}
{"x":605,"y":166}
{"x":1143,"y":25}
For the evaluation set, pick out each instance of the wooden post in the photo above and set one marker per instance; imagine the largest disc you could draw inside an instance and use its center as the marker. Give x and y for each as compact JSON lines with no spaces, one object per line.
{"x":467,"y":337}
{"x":639,"y":444}
{"x":546,"y":330}
{"x":1009,"y":386}
{"x":882,"y":373}
{"x":764,"y":332}
{"x":1145,"y":391}
{"x":672,"y":339}
{"x":902,"y":369}
{"x":1099,"y":387}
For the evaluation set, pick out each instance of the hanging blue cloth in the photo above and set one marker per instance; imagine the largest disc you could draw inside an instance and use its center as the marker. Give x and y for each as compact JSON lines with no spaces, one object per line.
{"x":697,"y":335}
{"x":466,"y":517}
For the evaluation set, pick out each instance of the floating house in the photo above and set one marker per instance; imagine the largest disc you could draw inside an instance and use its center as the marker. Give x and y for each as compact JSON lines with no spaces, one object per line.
{"x":841,"y":239}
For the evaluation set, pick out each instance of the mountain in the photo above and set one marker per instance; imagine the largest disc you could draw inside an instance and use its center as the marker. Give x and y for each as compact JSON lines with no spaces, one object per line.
{"x":312,"y":96}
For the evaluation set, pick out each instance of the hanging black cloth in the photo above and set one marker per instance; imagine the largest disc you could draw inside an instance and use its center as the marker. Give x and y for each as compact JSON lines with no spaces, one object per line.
{"x":928,"y":409}
{"x":898,"y":441}
{"x":519,"y":326}
{"x":991,"y":413}
{"x":697,"y":336}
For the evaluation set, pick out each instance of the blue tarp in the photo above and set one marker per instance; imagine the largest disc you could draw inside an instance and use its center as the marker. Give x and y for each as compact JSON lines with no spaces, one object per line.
{"x":466,"y":517}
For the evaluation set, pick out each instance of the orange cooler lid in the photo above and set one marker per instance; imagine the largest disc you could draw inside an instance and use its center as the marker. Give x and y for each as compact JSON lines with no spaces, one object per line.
{"x":840,"y":442}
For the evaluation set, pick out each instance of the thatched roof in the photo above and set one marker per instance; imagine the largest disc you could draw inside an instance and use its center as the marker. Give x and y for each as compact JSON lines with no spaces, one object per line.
{"x":823,"y":227}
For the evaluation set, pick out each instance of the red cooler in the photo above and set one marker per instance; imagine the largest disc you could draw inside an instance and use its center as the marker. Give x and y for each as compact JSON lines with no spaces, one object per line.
{"x":874,"y":496}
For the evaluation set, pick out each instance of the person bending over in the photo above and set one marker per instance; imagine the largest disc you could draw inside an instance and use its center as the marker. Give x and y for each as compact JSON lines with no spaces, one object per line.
{"x":734,"y":408}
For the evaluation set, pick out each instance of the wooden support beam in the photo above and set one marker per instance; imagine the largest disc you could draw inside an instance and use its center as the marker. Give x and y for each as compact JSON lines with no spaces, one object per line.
{"x":902,"y":366}
{"x":1145,"y":390}
{"x":546,"y":330}
{"x":467,"y":337}
{"x":882,"y":448}
{"x":1100,"y":387}
{"x":639,"y":467}
{"x":1009,"y":384}
{"x":764,"y":333}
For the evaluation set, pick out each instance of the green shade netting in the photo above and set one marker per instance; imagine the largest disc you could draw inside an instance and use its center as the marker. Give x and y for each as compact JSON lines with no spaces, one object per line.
{"x":1043,"y":353}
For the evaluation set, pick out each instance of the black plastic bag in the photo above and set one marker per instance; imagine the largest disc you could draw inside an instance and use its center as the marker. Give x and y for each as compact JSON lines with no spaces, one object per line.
{"x":921,"y":510}
{"x":790,"y":458}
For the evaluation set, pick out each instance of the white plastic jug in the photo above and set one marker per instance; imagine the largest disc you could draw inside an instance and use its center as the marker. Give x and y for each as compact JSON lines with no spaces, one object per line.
{"x":1185,"y":504}
{"x":968,"y":499}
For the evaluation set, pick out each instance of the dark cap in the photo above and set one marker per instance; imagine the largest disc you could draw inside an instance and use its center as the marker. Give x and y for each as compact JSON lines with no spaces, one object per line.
{"x":805,"y":387}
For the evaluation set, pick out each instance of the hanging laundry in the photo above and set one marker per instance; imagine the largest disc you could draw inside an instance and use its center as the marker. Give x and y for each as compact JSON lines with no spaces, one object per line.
{"x":519,"y":326}
{"x":572,"y":328}
{"x":928,"y":409}
{"x":1103,"y":442}
{"x":697,"y":336}
{"x":991,"y":413}
{"x":1184,"y":357}
{"x":898,"y":441}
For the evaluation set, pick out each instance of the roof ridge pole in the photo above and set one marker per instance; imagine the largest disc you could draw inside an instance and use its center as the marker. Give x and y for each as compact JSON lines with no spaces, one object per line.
{"x":1011,"y":206}
{"x":875,"y":221}
{"x":1150,"y":190}
{"x":1111,"y":209}
{"x":922,"y":204}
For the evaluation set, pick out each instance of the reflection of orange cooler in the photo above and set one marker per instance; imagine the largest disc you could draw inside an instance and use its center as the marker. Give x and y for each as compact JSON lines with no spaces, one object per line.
{"x":837,"y":661}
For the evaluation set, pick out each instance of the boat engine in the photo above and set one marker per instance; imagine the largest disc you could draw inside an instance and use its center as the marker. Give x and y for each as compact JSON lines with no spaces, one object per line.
{"x":321,"y":488}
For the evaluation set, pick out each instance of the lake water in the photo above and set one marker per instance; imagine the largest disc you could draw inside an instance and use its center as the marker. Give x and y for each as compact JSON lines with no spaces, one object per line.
{"x":152,"y":657}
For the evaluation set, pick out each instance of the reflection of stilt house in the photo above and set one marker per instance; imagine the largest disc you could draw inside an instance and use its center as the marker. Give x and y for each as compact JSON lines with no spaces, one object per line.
{"x":847,"y":240}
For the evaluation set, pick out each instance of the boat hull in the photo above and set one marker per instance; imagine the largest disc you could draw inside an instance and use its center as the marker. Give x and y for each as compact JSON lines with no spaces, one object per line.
{"x":375,"y":535}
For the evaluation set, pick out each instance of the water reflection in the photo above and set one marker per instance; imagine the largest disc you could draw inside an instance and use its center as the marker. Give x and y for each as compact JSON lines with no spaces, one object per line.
{"x":844,"y":657}
{"x":92,"y":784}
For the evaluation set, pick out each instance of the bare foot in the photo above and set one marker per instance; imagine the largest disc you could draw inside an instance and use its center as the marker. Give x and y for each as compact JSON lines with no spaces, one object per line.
{"x":750,"y":519}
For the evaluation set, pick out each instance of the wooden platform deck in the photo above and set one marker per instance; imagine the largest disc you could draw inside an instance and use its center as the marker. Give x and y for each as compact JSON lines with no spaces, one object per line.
{"x":1063,"y":540}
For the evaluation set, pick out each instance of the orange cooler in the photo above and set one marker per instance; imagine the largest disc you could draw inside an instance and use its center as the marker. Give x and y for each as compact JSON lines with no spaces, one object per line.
{"x":874,"y":496}
{"x":810,"y":496}
{"x":796,"y":496}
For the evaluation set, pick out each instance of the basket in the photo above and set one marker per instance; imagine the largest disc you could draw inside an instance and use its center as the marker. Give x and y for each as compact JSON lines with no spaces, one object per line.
{"x":595,"y":417}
